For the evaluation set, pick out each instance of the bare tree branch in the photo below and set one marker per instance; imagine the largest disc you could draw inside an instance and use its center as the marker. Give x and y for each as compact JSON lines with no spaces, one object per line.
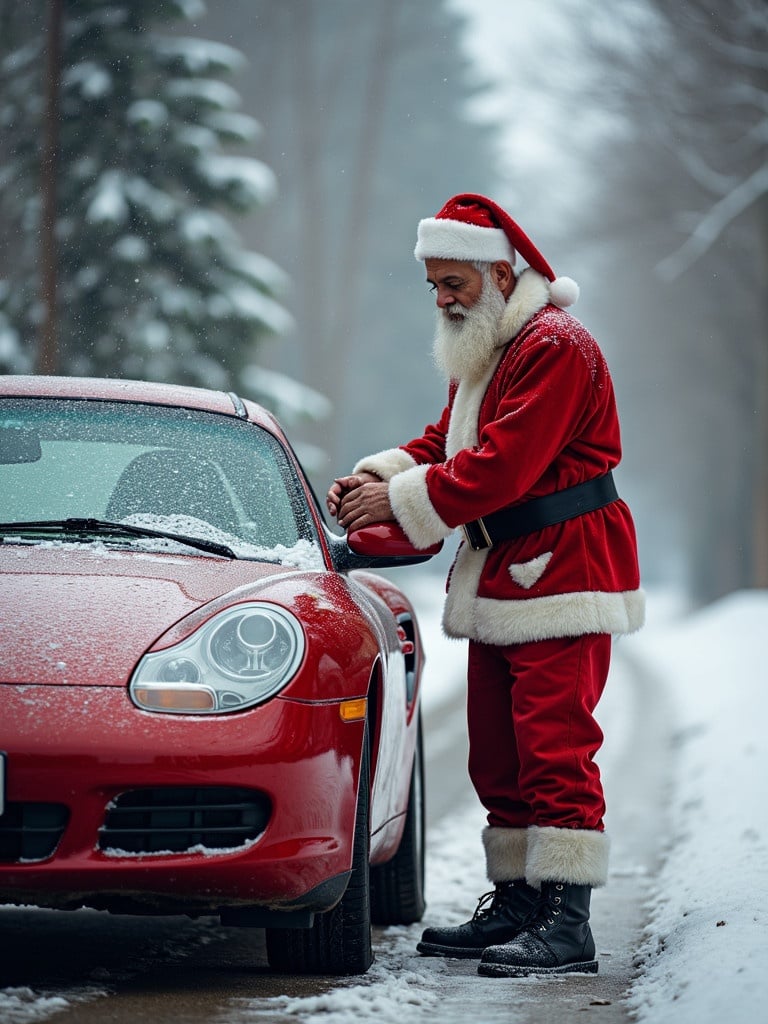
{"x":713,"y":223}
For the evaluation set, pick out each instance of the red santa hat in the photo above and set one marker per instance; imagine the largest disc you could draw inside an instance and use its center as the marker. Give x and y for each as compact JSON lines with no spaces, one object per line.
{"x":472,"y":228}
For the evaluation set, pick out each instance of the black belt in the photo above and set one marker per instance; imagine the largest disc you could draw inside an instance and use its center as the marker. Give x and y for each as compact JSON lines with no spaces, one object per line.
{"x":549,"y":510}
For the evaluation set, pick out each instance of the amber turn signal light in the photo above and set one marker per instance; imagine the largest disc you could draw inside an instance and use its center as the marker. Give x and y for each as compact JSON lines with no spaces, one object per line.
{"x":174,"y":698}
{"x":353,"y":710}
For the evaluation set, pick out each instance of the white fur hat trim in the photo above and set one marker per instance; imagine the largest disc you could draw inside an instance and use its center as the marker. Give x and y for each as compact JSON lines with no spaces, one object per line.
{"x":442,"y":239}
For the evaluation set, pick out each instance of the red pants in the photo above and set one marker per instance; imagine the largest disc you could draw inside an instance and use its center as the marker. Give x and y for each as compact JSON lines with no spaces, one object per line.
{"x":532,"y":734}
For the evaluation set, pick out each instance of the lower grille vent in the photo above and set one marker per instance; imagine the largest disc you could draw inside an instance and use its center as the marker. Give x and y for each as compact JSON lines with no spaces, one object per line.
{"x":31,"y":831}
{"x":181,"y":818}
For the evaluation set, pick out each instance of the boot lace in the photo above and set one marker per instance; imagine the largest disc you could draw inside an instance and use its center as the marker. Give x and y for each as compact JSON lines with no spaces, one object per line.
{"x":487,"y":906}
{"x":550,"y":908}
{"x":490,"y":903}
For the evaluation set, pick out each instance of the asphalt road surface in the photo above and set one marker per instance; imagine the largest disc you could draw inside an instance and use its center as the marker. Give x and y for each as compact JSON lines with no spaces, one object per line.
{"x":114,"y":970}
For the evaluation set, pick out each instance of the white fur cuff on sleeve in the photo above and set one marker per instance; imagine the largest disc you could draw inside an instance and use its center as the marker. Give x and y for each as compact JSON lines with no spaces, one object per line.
{"x":414,"y":511}
{"x":385,"y":464}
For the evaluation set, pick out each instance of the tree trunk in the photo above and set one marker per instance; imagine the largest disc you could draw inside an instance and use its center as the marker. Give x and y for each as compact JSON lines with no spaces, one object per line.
{"x":361,"y":193}
{"x":48,"y":351}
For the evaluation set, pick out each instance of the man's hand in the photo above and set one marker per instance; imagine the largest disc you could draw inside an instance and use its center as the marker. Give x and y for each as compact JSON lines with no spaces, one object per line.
{"x":343,"y":485}
{"x":366,"y":503}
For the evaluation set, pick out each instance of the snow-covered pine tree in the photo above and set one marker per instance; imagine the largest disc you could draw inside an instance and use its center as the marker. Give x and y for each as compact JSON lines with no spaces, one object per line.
{"x":152,"y":280}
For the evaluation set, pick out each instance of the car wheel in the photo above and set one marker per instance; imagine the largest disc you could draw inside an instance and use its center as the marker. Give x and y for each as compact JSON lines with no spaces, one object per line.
{"x":397,"y":887}
{"x":339,"y":941}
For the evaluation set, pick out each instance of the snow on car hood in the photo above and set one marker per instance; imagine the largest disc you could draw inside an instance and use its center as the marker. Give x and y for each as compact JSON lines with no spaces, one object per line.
{"x":77,"y":614}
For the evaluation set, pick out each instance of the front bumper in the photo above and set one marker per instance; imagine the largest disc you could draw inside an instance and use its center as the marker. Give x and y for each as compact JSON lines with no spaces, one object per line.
{"x":83,"y":748}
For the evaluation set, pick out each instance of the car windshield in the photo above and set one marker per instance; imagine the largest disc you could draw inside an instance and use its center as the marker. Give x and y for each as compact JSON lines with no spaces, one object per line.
{"x":69,"y":468}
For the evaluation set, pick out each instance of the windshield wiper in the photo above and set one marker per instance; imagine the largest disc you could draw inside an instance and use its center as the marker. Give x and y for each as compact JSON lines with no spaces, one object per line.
{"x":104,"y":528}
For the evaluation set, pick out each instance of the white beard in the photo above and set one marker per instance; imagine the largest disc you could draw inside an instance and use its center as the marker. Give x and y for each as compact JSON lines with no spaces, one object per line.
{"x":462,"y":349}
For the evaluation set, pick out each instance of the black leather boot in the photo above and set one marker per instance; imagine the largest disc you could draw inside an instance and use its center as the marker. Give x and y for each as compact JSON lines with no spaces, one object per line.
{"x":499,"y":916}
{"x":558,"y":940}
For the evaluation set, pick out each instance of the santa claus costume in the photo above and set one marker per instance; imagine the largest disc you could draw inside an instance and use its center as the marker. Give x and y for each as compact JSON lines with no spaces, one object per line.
{"x":547,"y":573}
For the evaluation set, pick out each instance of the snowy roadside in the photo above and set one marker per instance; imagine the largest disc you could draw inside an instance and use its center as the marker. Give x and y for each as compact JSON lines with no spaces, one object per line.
{"x":705,"y":947}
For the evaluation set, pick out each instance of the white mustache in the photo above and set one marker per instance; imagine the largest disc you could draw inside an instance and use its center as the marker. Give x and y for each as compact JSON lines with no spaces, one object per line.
{"x":455,"y":309}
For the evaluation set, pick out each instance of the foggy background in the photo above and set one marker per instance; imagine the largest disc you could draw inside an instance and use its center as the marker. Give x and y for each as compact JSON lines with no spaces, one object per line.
{"x":630,"y":141}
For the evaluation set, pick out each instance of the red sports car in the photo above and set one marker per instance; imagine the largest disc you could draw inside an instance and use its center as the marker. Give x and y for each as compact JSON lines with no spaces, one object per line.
{"x":209,"y":704}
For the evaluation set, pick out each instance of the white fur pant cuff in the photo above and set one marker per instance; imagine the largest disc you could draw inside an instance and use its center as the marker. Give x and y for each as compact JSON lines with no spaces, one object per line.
{"x":571,"y":855}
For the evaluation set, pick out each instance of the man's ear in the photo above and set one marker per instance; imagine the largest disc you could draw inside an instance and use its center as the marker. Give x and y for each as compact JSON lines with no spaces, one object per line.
{"x":504,"y":276}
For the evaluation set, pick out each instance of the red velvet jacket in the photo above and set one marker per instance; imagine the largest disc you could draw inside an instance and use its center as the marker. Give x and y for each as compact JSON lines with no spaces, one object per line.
{"x":543,"y":417}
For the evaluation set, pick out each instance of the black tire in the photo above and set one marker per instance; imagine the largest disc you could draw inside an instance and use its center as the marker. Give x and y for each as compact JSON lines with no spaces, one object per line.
{"x":339,"y":942}
{"x":397,"y":887}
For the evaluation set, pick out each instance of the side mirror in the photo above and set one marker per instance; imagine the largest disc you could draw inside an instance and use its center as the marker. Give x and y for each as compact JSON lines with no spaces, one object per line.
{"x":379,"y":546}
{"x":387,"y":540}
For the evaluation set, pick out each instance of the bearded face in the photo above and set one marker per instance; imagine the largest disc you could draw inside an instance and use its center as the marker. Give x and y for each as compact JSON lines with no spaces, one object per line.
{"x":466,"y":337}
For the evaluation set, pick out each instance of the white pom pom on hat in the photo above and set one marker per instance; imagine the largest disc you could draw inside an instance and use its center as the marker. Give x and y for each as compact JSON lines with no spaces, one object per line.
{"x":563,"y":291}
{"x":472,"y":228}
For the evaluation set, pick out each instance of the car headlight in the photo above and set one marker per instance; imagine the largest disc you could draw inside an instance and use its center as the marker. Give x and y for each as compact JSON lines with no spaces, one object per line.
{"x":241,"y":657}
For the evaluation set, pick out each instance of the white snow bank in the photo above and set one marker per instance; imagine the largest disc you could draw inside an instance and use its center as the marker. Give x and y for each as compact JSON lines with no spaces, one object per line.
{"x":705,"y":950}
{"x":23,"y":1006}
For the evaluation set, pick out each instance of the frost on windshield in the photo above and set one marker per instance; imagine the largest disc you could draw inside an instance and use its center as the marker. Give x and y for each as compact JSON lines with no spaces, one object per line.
{"x":302,"y":555}
{"x":173,"y":471}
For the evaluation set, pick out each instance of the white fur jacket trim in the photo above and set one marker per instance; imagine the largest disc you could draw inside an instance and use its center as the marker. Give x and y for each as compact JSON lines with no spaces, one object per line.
{"x":496,"y":621}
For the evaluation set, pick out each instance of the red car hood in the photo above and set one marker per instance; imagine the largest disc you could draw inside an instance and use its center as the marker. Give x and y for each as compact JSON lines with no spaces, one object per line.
{"x":85,"y":615}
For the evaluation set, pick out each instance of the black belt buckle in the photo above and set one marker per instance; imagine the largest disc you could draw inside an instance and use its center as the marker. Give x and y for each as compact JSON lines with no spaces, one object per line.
{"x":476,"y":535}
